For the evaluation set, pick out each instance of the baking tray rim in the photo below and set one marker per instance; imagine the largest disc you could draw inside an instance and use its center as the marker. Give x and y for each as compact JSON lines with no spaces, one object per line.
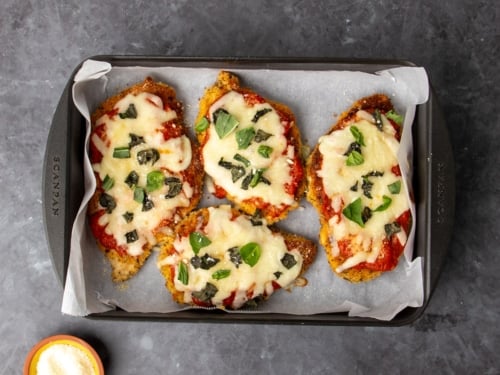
{"x":59,"y":241}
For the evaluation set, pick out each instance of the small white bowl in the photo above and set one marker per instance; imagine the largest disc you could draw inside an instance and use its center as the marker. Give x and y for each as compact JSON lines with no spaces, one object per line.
{"x":30,"y":365}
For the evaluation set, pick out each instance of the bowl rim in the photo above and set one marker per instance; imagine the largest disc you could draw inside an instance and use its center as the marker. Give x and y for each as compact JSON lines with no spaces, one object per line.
{"x":62,"y":338}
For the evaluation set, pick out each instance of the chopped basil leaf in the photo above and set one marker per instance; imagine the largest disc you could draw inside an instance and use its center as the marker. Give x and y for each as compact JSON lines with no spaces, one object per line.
{"x":225,"y":123}
{"x":202,"y":125}
{"x":221,"y":274}
{"x":128,"y":216}
{"x":386,"y":203}
{"x":392,"y":228}
{"x":131,"y":236}
{"x":258,"y":177}
{"x":288,"y":261}
{"x":354,"y":187}
{"x":198,"y":241}
{"x":147,"y":204}
{"x":244,"y":137}
{"x":150,"y":155}
{"x":242,"y":160}
{"x":135,"y":140}
{"x":278,"y":274}
{"x":260,"y":113}
{"x":354,"y":158}
{"x":154,"y":180}
{"x":367,"y":188}
{"x":121,"y":152}
{"x":265,"y":151}
{"x":261,"y":136}
{"x":395,"y":187}
{"x":373,"y":174}
{"x":206,"y":294}
{"x":108,"y":183}
{"x":205,"y":262}
{"x":354,"y":146}
{"x":139,"y":194}
{"x":108,"y":202}
{"x":132,"y":179}
{"x":358,"y":136}
{"x":246,"y":181}
{"x":225,"y":164}
{"x":256,"y":218}
{"x":237,"y":172}
{"x":174,"y":187}
{"x":235,"y":256}
{"x":394,"y":116}
{"x":183,"y":275}
{"x":354,"y":212}
{"x":250,"y":253}
{"x":131,"y":112}
{"x":366,"y":214}
{"x":377,"y":118}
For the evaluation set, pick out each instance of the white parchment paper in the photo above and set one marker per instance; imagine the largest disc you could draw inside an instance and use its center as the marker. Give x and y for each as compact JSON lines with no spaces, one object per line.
{"x":317,"y":98}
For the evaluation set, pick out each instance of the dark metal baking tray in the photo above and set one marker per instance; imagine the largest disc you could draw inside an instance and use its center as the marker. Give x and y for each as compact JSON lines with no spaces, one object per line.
{"x":434,"y":185}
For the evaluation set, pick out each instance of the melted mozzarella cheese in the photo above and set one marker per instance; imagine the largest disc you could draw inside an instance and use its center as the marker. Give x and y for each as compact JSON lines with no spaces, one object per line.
{"x":225,"y":233}
{"x":175,"y":156}
{"x":343,"y":184}
{"x":277,"y":166}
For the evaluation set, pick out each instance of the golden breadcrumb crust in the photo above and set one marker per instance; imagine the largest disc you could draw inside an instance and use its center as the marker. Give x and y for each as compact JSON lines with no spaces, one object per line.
{"x":190,"y":223}
{"x":125,"y":266}
{"x":315,"y":194}
{"x":226,"y":82}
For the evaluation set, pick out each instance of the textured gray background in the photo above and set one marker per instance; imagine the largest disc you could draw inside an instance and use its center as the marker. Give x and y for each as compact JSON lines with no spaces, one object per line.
{"x":458,"y":42}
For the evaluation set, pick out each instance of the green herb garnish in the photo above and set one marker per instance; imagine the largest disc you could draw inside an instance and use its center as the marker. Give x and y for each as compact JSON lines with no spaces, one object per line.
{"x":131,"y":112}
{"x":288,"y":261}
{"x":260,"y":113}
{"x":225,"y":123}
{"x":135,"y":140}
{"x":150,"y":155}
{"x":121,"y":152}
{"x":244,"y":137}
{"x":261,"y":136}
{"x":183,"y":275}
{"x":206,"y":294}
{"x":198,"y":241}
{"x":258,"y":177}
{"x":174,"y":187}
{"x":139,"y":194}
{"x":392,"y":228}
{"x":128,"y":216}
{"x":367,"y":186}
{"x":131,"y":236}
{"x":354,"y":212}
{"x":377,"y":118}
{"x":108,"y":183}
{"x":395,"y":187}
{"x":132,"y":179}
{"x":221,"y":274}
{"x":202,"y":125}
{"x":354,"y":158}
{"x":235,"y":256}
{"x":242,"y":160}
{"x":250,"y":253}
{"x":205,"y":262}
{"x":394,"y":116}
{"x":265,"y":151}
{"x":108,"y":202}
{"x":154,"y":180}
{"x":358,"y":136}
{"x":386,"y":203}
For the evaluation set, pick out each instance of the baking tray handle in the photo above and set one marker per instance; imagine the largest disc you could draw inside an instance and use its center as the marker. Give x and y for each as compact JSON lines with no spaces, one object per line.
{"x":60,"y":197}
{"x":442,"y":191}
